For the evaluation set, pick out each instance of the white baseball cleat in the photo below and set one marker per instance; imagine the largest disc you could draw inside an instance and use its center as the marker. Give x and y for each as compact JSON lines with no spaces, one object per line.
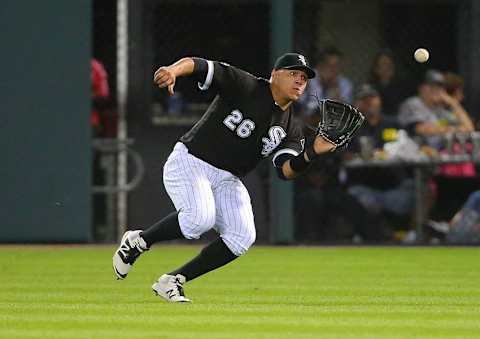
{"x":131,"y":246}
{"x":170,"y":288}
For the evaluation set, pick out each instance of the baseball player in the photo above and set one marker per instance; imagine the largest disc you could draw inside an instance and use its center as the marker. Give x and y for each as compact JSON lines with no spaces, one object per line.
{"x":249,"y":120}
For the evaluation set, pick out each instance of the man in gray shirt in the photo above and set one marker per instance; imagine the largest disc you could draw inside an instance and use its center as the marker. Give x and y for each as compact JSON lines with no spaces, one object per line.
{"x":433,"y":113}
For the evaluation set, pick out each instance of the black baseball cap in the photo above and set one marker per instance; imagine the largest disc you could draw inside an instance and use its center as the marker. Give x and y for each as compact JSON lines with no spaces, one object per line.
{"x":294,"y":61}
{"x":366,"y":91}
{"x":434,"y":77}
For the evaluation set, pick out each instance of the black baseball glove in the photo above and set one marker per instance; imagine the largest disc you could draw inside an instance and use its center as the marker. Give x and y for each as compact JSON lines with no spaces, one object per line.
{"x":338,"y":122}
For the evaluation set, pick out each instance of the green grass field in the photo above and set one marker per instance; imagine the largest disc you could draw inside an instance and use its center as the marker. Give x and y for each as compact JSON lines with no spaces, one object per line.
{"x":272,"y":292}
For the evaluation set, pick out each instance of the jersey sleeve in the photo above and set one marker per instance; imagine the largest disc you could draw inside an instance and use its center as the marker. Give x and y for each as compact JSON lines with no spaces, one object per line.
{"x":293,"y":144}
{"x":226,"y":79}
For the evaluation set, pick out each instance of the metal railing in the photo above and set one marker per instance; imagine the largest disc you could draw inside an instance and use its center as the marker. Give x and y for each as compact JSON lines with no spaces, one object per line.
{"x":109,"y":150}
{"x":115,"y":146}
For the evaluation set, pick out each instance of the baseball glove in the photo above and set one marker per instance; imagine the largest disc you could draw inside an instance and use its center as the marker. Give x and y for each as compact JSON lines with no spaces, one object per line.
{"x":338,"y":122}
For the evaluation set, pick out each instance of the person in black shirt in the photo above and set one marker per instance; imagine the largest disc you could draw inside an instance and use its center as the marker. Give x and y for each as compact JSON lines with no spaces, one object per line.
{"x":384,"y":77}
{"x":379,"y":190}
{"x":249,"y":120}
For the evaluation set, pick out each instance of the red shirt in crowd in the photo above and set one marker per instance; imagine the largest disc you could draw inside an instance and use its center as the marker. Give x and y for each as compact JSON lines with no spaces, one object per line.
{"x":99,"y":88}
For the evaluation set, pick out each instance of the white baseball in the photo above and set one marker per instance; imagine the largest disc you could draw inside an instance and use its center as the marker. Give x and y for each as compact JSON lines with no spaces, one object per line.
{"x":421,"y":55}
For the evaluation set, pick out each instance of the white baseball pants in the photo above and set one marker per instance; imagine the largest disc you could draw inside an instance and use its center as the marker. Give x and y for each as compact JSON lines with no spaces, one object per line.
{"x":207,"y":197}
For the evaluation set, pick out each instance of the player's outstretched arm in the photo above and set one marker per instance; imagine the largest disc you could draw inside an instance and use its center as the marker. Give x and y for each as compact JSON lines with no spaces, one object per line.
{"x":295,"y":166}
{"x":339,"y":123}
{"x":166,"y":76}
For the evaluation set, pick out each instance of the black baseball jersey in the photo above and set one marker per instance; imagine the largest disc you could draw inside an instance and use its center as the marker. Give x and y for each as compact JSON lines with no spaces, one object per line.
{"x":243,"y":124}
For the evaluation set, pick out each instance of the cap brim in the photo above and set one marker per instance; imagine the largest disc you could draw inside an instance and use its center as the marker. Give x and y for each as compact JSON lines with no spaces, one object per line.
{"x":365,"y":95}
{"x":435,"y":83}
{"x":310,"y":72}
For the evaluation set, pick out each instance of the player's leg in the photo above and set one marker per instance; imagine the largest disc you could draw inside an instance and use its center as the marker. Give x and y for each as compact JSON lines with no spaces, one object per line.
{"x":134,"y":243}
{"x":188,"y":181}
{"x":234,"y":222}
{"x":189,"y":188}
{"x":166,"y":229}
{"x":170,"y":285}
{"x":214,"y":255}
{"x":131,"y":246}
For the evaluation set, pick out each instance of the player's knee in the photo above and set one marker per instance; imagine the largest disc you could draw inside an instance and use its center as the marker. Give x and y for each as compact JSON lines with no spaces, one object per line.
{"x":246,"y":243}
{"x":194,"y":223}
{"x":249,"y":240}
{"x":239,"y":244}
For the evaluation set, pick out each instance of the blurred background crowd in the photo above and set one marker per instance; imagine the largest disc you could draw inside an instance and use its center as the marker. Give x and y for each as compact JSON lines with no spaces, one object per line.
{"x":418,"y":148}
{"x":407,"y":124}
{"x":410,"y":176}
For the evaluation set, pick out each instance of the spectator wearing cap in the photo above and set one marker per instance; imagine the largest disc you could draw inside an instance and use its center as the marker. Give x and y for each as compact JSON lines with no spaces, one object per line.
{"x":384,"y":78}
{"x":432,"y":115}
{"x":382,"y":191}
{"x":329,"y":83}
{"x":379,"y":127}
{"x":433,"y":112}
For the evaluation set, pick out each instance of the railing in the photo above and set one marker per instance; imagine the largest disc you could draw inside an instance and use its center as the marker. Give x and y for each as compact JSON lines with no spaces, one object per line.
{"x":114,"y":146}
{"x":109,"y":150}
{"x":467,"y":150}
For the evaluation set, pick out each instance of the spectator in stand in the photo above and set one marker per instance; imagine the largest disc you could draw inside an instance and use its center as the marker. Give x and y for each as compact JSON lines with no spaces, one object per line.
{"x":454,"y":88}
{"x":433,"y":113}
{"x":382,"y":191}
{"x":384,"y":79}
{"x":100,"y":95}
{"x":453,"y":96}
{"x":464,"y":227}
{"x":329,"y":83}
{"x":321,"y":201}
{"x":100,"y":126}
{"x":433,"y":116}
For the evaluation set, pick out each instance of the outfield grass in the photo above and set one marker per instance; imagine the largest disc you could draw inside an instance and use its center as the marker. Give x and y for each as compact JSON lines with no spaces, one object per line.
{"x":283,"y":292}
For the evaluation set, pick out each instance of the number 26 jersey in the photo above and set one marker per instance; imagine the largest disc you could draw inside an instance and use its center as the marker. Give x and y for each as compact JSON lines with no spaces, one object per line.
{"x":243,"y":125}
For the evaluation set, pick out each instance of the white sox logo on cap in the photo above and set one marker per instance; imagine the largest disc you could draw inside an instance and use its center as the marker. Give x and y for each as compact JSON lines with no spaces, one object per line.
{"x":301,"y":58}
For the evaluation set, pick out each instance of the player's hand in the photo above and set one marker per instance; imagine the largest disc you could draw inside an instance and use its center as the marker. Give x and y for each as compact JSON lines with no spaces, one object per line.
{"x":321,"y":145}
{"x":165,"y":77}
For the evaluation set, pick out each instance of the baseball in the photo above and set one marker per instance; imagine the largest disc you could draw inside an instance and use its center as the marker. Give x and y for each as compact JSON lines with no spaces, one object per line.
{"x":421,"y":55}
